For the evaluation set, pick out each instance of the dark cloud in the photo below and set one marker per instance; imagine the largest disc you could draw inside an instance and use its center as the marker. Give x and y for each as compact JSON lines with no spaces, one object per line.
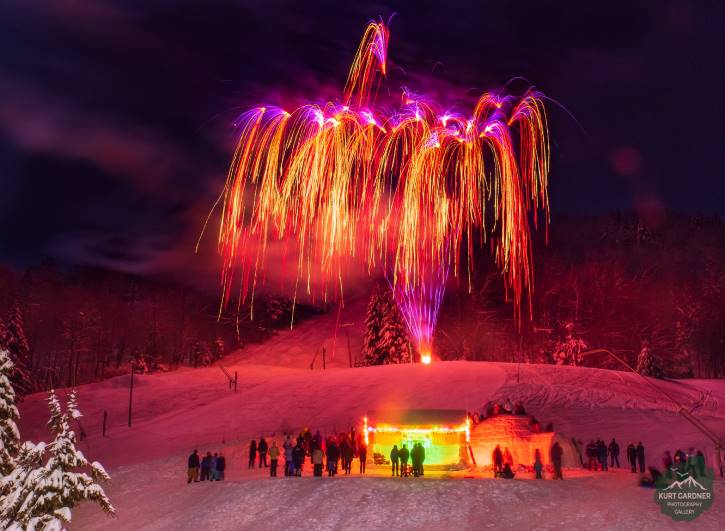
{"x":115,"y":117}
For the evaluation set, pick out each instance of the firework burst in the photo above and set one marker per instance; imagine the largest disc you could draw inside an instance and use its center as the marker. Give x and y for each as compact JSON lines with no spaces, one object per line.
{"x":407,"y":193}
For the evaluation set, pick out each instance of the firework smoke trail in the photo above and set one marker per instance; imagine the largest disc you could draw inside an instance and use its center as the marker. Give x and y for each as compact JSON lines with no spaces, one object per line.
{"x":399,"y":192}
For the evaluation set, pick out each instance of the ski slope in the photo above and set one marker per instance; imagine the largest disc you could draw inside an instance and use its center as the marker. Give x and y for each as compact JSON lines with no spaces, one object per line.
{"x":176,"y":412}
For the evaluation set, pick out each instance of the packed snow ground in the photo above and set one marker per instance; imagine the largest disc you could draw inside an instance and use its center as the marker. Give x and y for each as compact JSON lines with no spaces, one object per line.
{"x":194,"y":408}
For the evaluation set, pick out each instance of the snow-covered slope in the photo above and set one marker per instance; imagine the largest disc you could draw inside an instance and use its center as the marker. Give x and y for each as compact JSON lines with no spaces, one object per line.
{"x":194,"y":408}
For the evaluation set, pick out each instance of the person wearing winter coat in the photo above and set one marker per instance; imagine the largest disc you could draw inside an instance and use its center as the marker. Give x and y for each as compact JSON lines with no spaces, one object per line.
{"x":497,"y":461}
{"x":592,"y":455}
{"x":192,"y":471}
{"x":362,"y":453}
{"x":538,"y":465}
{"x":421,"y":459}
{"x":273,"y":459}
{"x":507,"y":472}
{"x":212,"y":468}
{"x":508,"y":407}
{"x":317,"y":460}
{"x":640,"y":457}
{"x":262,"y":448}
{"x":348,"y":452}
{"x":206,"y":466}
{"x":394,"y":460}
{"x":403,"y":455}
{"x":252,"y":453}
{"x":289,"y":465}
{"x":613,"y":452}
{"x":415,"y":459}
{"x":632,"y":457}
{"x":556,"y":454}
{"x":298,"y":458}
{"x":333,"y":455}
{"x":221,"y":465}
{"x":602,"y":454}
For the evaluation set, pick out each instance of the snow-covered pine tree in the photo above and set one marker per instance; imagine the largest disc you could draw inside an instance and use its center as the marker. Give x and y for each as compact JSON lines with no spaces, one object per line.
{"x":647,"y":363}
{"x":19,"y":488}
{"x":385,"y":339}
{"x":16,"y":343}
{"x":9,"y":434}
{"x":44,"y":496}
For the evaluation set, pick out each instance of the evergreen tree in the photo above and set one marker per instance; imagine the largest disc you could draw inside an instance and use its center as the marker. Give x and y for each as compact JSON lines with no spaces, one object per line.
{"x":9,"y":434}
{"x":19,"y":489}
{"x":16,"y":343}
{"x":43,"y":496}
{"x":385,"y":339}
{"x":648,"y":364}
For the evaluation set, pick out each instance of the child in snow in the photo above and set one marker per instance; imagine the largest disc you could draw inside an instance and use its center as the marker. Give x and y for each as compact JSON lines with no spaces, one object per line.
{"x":507,"y":472}
{"x":538,"y":465}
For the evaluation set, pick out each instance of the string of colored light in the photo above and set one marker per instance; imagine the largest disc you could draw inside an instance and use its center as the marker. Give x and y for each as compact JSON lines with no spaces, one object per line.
{"x":398,"y":191}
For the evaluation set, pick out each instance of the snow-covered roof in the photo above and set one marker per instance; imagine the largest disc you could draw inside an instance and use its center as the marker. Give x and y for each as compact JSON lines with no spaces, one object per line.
{"x":416,"y":417}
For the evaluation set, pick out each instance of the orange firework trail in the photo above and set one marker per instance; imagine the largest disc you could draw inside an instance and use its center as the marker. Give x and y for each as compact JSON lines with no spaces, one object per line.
{"x":408,"y":192}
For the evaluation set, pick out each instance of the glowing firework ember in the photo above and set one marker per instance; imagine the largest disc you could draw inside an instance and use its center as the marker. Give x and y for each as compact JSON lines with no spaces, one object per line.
{"x":400,"y":192}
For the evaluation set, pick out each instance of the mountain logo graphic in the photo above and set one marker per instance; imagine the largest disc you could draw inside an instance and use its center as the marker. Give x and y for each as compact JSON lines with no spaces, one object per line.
{"x":684,"y":497}
{"x":690,"y":482}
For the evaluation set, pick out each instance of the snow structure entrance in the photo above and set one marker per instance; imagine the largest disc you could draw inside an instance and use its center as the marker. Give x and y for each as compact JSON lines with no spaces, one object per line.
{"x":444,"y":433}
{"x":513,"y":432}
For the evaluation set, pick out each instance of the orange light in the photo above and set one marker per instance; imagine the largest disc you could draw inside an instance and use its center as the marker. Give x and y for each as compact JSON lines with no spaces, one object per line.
{"x":425,"y":358}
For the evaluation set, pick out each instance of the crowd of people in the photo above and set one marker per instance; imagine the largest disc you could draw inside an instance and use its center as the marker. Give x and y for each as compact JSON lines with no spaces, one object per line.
{"x":208,"y":468}
{"x":332,"y":454}
{"x":399,"y":460}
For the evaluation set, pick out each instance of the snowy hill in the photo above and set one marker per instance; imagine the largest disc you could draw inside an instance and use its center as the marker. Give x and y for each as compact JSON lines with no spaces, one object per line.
{"x":194,"y":408}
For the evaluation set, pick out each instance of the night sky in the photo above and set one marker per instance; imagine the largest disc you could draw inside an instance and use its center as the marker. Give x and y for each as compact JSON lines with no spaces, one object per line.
{"x":115,"y":117}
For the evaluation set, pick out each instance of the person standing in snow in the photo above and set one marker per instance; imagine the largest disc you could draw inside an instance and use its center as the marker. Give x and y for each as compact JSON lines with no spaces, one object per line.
{"x":348,"y":452}
{"x":298,"y":458}
{"x":632,"y":457}
{"x":497,"y":461}
{"x":363,"y":455}
{"x":556,"y":455}
{"x":640,"y":457}
{"x":212,"y":468}
{"x":394,"y":460}
{"x":273,"y":459}
{"x":700,"y":463}
{"x":332,"y":453}
{"x":221,"y":465}
{"x":415,"y":459}
{"x":614,"y":452}
{"x":592,"y":455}
{"x":403,"y":455}
{"x":289,"y":464}
{"x":508,"y":407}
{"x":422,"y":459}
{"x":602,"y":454}
{"x":317,"y":459}
{"x":538,"y":465}
{"x":262,"y":448}
{"x":192,"y":472}
{"x":287,"y":451}
{"x":507,"y":472}
{"x":206,"y":466}
{"x":252,"y":453}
